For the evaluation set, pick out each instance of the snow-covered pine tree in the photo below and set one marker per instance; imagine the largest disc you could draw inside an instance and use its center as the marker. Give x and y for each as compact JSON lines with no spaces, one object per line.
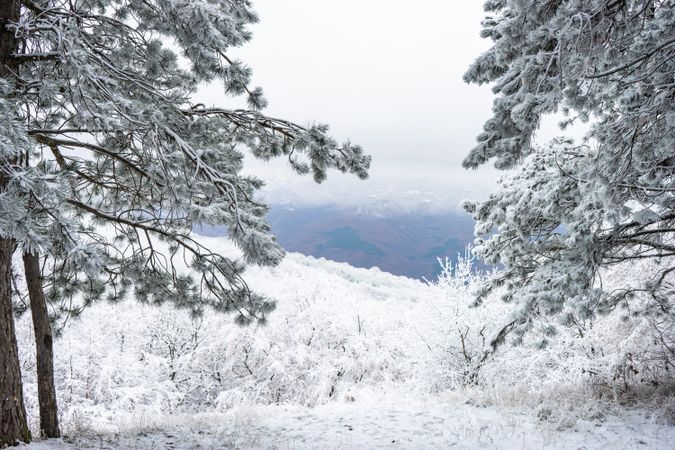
{"x":13,"y":142}
{"x":571,"y":210}
{"x":117,"y":165}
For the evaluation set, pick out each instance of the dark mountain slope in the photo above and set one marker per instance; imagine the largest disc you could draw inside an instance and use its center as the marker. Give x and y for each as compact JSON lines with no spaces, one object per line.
{"x":402,"y":244}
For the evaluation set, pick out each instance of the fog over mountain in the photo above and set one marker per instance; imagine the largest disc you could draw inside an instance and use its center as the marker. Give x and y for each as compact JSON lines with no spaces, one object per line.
{"x":400,"y":220}
{"x":373,"y":234}
{"x":390,"y":188}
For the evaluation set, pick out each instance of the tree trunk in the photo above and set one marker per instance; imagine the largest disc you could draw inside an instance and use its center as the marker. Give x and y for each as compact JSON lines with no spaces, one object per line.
{"x":13,"y":426}
{"x":49,"y":421}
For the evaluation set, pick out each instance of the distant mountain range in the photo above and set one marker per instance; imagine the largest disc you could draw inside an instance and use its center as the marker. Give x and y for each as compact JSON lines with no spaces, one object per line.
{"x":400,"y":243}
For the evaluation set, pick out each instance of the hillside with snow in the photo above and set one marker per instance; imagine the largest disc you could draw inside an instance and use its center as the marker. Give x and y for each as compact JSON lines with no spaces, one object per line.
{"x":351,"y":358}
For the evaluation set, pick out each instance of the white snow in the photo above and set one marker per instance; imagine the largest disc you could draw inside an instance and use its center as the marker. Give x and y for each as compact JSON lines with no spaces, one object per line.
{"x":351,"y":358}
{"x":441,"y":423}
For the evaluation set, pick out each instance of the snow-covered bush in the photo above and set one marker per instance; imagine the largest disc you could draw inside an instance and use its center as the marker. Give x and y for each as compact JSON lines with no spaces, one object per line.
{"x":349,"y":335}
{"x":339,"y":334}
{"x":467,"y":326}
{"x":624,"y":356}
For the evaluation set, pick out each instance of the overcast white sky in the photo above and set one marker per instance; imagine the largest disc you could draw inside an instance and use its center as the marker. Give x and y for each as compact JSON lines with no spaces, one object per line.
{"x":385,"y":74}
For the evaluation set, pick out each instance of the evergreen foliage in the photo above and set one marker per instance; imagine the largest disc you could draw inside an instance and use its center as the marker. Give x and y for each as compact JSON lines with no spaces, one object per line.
{"x":571,"y":210}
{"x":110,"y":144}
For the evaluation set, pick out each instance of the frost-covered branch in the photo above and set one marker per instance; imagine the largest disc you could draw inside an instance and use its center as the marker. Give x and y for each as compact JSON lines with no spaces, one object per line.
{"x":112,"y":138}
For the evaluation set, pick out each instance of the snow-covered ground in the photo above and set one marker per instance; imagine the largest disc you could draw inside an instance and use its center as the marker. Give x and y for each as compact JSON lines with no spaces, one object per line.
{"x":351,"y":358}
{"x":438,"y":424}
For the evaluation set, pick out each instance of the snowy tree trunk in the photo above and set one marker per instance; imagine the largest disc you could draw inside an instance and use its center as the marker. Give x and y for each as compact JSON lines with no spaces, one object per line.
{"x":13,"y":426}
{"x":49,"y":421}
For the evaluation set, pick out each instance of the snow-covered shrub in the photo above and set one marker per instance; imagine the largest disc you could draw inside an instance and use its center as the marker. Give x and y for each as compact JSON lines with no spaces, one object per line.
{"x":345,"y":334}
{"x":466,"y":325}
{"x":339,"y":334}
{"x":623,"y":356}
